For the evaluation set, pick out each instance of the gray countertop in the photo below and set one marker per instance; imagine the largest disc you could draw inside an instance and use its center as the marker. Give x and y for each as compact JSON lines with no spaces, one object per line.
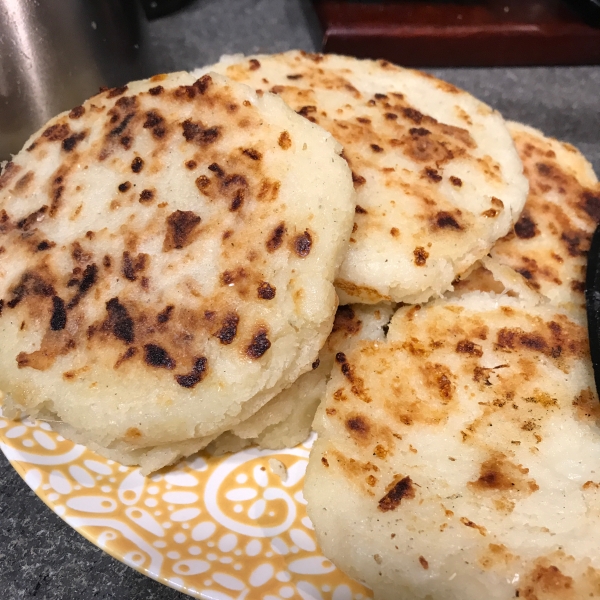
{"x":40,"y":556}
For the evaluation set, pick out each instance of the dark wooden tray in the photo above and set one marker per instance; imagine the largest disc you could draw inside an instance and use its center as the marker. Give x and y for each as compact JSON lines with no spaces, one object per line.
{"x":460,"y":33}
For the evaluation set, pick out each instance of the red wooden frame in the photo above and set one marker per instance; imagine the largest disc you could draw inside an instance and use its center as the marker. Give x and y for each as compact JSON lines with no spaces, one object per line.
{"x":468,"y":33}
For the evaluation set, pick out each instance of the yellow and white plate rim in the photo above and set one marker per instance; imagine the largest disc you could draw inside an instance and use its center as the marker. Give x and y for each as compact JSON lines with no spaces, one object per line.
{"x":217,"y":528}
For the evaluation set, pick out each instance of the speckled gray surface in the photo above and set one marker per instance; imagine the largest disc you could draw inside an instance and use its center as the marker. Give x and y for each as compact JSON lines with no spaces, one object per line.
{"x":40,"y":556}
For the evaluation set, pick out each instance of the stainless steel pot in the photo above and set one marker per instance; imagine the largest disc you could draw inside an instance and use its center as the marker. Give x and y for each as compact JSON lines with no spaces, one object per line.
{"x":56,"y":53}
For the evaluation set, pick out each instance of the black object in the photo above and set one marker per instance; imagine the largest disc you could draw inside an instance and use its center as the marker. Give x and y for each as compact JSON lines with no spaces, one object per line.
{"x":588,"y":9}
{"x":592,"y":302}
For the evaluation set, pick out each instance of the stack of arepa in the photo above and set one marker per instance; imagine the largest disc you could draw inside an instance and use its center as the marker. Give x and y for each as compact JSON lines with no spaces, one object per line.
{"x":171,"y":258}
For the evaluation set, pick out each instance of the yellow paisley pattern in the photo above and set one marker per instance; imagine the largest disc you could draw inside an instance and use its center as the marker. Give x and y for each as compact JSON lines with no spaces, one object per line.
{"x":217,"y":528}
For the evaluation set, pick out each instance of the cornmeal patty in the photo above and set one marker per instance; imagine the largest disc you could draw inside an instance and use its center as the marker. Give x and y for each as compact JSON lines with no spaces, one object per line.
{"x":437,"y":176}
{"x":458,"y":460}
{"x":167,"y":259}
{"x":551,"y":239}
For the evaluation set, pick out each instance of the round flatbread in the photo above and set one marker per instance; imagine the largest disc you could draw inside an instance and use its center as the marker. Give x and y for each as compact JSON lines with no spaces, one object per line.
{"x":168,"y":255}
{"x":551,"y":239}
{"x":437,"y":176}
{"x":459,"y":459}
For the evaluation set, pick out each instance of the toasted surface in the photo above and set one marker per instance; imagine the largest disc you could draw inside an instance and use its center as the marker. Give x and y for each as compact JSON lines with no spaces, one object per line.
{"x":550,"y":241}
{"x":459,"y":459}
{"x":167,"y":266}
{"x":286,"y":419}
{"x":437,"y":177}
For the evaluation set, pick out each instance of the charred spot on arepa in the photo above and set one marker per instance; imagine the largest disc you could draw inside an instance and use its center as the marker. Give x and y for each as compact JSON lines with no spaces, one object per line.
{"x":303,"y":244}
{"x":448,"y":221}
{"x":57,"y":188}
{"x":32,"y":219}
{"x":358,"y":180}
{"x":421,"y":255}
{"x":132,"y":266}
{"x":8,"y":173}
{"x":217,"y":170}
{"x":307,"y":112}
{"x":77,"y":112}
{"x":23,"y":183}
{"x":119,"y":321}
{"x":358,"y":426}
{"x":228,"y":330}
{"x":44,"y":245}
{"x":117,"y":91}
{"x":577,"y":244}
{"x":88,"y":280}
{"x":400,"y":489}
{"x":259,"y":344}
{"x":57,"y":132}
{"x":165,"y":314}
{"x":137,"y":164}
{"x":203,"y":83}
{"x":127,"y":355}
{"x":30,"y":284}
{"x":587,"y":406}
{"x":196,"y":375}
{"x":58,"y":319}
{"x":156,"y":356}
{"x":146,"y":196}
{"x":546,"y":579}
{"x":198,"y":133}
{"x":155,"y":122}
{"x":346,"y":321}
{"x":525,"y":227}
{"x":550,"y":339}
{"x":252,"y":153}
{"x":499,"y":474}
{"x":181,"y":228}
{"x":469,"y":347}
{"x":70,"y":143}
{"x":119,"y":127}
{"x":432,"y":175}
{"x":284,"y":141}
{"x":268,"y":190}
{"x":233,"y":276}
{"x":266,"y":291}
{"x":276,"y":239}
{"x":590,"y":202}
{"x":203,"y":183}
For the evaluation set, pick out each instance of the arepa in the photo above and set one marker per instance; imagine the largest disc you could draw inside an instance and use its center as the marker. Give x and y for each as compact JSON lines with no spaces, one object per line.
{"x":459,"y":459}
{"x":168,"y":255}
{"x":550,"y":241}
{"x":437,"y":176}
